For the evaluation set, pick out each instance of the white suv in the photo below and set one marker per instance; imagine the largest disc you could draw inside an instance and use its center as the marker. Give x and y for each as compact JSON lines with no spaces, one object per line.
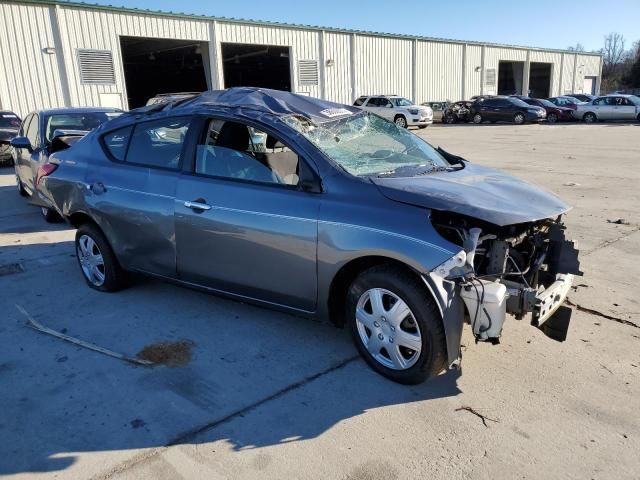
{"x":403,"y":112}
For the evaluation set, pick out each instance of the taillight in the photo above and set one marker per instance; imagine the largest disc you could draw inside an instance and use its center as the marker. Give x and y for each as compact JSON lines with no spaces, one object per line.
{"x":45,"y":170}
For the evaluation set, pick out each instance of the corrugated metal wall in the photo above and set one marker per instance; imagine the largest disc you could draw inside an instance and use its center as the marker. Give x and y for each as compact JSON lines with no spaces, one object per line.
{"x":351,"y":64}
{"x":439,"y":71}
{"x":338,"y":74}
{"x":29,"y":77}
{"x":384,"y":66}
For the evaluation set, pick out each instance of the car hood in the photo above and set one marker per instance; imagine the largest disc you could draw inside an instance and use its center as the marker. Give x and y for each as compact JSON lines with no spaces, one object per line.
{"x":475,"y":191}
{"x":7,"y":134}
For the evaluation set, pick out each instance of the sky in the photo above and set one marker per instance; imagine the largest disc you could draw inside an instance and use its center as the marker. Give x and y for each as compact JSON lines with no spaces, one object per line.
{"x":535,"y":23}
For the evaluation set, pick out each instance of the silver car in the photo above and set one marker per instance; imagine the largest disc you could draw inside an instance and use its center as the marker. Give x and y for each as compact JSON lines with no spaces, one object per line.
{"x":609,"y":107}
{"x":321,"y":210}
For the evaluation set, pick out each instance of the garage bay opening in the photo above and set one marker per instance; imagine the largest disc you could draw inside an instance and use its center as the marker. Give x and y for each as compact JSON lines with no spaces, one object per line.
{"x":539,"y":80}
{"x":158,"y":65}
{"x":256,"y":66}
{"x":510,"y":78}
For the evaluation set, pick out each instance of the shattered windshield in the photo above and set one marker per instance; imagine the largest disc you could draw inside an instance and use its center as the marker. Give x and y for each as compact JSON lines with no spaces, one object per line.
{"x":365,"y":144}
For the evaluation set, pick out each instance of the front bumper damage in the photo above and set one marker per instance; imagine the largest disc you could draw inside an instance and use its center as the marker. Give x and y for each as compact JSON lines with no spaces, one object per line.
{"x":485,"y":298}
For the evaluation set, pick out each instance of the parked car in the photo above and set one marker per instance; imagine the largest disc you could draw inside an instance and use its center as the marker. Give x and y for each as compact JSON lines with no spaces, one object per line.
{"x":609,"y":107}
{"x":566,"y":102}
{"x":505,"y":109}
{"x":582,"y":97}
{"x":554,"y":112}
{"x":9,"y":126}
{"x":399,"y":110}
{"x":438,"y":109}
{"x":457,"y":112}
{"x":35,"y":139}
{"x":340,"y":215}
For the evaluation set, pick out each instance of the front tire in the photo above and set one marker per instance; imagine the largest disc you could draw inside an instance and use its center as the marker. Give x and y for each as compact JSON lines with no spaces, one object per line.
{"x":477,"y":119}
{"x":50,"y":215}
{"x":21,"y":190}
{"x":400,"y":121}
{"x":98,"y":263}
{"x":450,"y":119}
{"x":589,"y":117}
{"x":396,"y":325}
{"x":518,"y":118}
{"x":552,"y":118}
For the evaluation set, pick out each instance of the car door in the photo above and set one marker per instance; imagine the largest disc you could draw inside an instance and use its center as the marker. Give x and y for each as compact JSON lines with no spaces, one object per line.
{"x":623,"y":109}
{"x":490,"y":109}
{"x":386,"y":109}
{"x":244,"y":225}
{"x":133,"y":193}
{"x":607,"y":108}
{"x":29,"y":160}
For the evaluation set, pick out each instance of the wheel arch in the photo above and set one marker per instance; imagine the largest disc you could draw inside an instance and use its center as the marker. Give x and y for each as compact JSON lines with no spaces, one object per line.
{"x":344,"y":277}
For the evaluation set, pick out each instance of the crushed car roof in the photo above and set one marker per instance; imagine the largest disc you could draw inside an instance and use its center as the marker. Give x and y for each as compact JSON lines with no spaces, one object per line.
{"x":276,"y":102}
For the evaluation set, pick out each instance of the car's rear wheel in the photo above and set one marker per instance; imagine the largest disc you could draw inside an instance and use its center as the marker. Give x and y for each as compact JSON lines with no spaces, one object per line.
{"x":400,"y":121}
{"x":21,"y":190}
{"x":396,"y":325}
{"x":50,"y":215}
{"x":477,"y":119}
{"x":98,"y":263}
{"x":552,"y":118}
{"x":589,"y":117}
{"x":518,"y":118}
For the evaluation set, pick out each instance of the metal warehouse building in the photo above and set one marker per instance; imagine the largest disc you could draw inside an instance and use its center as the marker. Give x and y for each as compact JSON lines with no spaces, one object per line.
{"x":55,"y":53}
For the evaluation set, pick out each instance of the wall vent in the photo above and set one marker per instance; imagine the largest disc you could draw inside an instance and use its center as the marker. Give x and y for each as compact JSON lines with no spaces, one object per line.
{"x":490,"y":77}
{"x":96,"y":67}
{"x":308,"y":72}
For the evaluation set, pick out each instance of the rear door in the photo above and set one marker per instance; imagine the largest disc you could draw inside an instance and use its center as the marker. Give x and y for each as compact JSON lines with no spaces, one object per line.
{"x":623,"y":109}
{"x":243,"y":223}
{"x":133,"y":194}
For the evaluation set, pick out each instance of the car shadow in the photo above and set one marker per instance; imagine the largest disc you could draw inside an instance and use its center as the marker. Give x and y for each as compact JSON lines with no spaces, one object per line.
{"x":297,"y":377}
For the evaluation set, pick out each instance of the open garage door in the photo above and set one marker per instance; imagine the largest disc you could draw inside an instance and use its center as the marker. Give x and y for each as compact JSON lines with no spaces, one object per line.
{"x":265,"y":66}
{"x":158,"y":65}
{"x":539,"y":80}
{"x":510,"y":76}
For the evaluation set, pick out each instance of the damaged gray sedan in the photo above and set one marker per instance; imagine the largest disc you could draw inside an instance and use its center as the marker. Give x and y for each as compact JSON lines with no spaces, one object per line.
{"x":317,"y":209}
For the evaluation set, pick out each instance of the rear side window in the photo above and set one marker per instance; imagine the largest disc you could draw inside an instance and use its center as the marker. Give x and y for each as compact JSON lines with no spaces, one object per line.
{"x":32,"y":131}
{"x":154,"y":144}
{"x":359,"y":102}
{"x":117,"y":141}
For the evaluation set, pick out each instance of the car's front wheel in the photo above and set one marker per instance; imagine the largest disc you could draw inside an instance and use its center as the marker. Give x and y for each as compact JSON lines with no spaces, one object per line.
{"x":98,"y":263}
{"x":477,"y":119}
{"x":450,"y":119}
{"x":552,"y":118}
{"x":400,"y":121}
{"x":589,"y":117}
{"x":396,"y":325}
{"x":21,"y":190}
{"x":50,"y":215}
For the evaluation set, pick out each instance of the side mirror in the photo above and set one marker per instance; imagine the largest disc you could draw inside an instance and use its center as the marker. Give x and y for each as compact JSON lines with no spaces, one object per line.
{"x":21,"y":142}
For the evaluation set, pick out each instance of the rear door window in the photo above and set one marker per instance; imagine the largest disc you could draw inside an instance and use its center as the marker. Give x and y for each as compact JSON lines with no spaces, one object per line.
{"x":157,"y":143}
{"x":116,"y":142}
{"x":32,"y":131}
{"x":360,"y":101}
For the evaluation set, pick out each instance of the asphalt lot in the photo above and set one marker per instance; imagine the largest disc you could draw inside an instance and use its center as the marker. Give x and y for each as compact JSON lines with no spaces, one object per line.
{"x":268,"y":395}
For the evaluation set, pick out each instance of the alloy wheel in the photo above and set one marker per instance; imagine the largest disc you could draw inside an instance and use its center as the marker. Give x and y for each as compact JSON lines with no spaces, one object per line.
{"x":388,"y":329}
{"x":518,"y":118}
{"x":91,"y":260}
{"x":552,"y":118}
{"x":401,"y":122}
{"x":477,"y":118}
{"x":589,"y":118}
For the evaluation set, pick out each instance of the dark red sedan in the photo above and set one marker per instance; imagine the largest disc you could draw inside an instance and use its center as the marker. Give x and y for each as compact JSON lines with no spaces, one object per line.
{"x":554,"y":112}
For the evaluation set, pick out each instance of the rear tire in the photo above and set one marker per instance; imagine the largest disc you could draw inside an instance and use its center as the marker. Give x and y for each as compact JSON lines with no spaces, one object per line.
{"x":422,"y":318}
{"x":98,"y":264}
{"x":50,"y":215}
{"x":589,"y":117}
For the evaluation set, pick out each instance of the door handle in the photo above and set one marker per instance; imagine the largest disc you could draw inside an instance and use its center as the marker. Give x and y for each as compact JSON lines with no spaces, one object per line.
{"x":197,"y":205}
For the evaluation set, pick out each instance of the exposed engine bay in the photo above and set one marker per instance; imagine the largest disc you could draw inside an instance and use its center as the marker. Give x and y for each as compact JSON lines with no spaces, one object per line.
{"x":519,"y":269}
